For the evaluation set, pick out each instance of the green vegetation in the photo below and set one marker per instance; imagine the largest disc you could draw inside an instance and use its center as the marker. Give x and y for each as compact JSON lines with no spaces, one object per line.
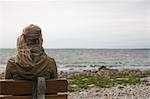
{"x":82,"y":82}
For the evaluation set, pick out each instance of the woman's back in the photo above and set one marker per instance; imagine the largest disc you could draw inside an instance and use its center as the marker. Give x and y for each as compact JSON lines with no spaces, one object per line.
{"x":31,"y":61}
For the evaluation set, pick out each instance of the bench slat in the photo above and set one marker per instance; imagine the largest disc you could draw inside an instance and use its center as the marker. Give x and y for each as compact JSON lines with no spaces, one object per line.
{"x":62,"y":96}
{"x":17,"y":87}
{"x":41,"y":88}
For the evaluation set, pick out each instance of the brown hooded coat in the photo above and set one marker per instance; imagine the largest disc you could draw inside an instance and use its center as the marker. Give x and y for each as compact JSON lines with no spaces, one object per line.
{"x":31,"y":61}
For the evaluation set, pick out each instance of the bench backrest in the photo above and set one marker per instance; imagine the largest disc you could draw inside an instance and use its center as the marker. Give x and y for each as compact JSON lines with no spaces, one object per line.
{"x":22,"y":89}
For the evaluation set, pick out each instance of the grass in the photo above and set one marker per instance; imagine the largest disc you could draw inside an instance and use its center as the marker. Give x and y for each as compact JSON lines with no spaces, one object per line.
{"x":82,"y":82}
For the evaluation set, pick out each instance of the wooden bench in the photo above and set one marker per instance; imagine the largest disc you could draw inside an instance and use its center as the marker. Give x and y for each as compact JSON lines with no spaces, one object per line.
{"x":23,"y":89}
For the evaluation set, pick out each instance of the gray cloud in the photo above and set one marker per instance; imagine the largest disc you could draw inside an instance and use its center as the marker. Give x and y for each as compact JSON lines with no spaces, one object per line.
{"x":86,"y":24}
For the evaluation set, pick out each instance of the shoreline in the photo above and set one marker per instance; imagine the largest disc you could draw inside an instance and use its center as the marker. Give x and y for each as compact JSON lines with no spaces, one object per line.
{"x":82,"y":67}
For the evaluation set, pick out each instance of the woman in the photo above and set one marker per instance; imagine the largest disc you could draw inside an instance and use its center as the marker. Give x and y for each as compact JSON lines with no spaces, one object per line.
{"x":31,"y":61}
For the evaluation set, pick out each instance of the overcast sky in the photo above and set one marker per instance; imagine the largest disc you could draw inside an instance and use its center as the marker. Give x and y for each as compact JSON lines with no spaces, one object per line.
{"x":78,"y":23}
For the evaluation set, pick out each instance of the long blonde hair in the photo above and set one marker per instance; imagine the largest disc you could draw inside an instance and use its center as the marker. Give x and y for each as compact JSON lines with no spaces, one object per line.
{"x":29,"y":46}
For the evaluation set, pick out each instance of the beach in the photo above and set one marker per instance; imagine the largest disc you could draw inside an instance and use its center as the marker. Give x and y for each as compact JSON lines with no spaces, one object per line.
{"x":134,"y":91}
{"x":118,"y":92}
{"x":137,"y":91}
{"x":132,"y":64}
{"x":100,"y":47}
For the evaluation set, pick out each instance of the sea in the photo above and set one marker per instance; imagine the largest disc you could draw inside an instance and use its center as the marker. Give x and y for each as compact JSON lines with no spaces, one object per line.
{"x":70,"y":60}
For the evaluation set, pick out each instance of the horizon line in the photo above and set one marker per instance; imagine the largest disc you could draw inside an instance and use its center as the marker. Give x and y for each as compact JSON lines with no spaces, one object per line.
{"x":85,"y":48}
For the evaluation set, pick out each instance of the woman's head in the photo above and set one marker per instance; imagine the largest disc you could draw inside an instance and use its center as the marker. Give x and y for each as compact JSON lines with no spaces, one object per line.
{"x":29,"y":44}
{"x":31,"y":37}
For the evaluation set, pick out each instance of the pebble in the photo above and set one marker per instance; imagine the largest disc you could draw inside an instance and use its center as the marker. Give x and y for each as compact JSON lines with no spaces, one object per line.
{"x":74,"y":86}
{"x":91,"y":85}
{"x":120,"y":86}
